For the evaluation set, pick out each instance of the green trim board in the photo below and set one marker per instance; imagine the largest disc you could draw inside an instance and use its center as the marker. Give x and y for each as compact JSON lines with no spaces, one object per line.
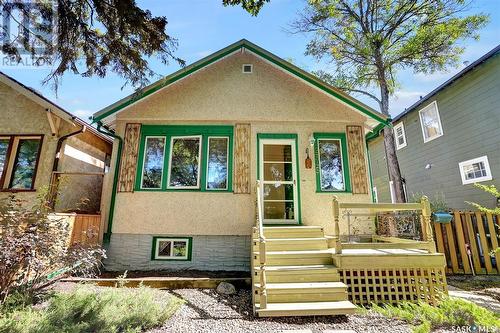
{"x":278,"y":136}
{"x":189,"y":248}
{"x":345,"y":161}
{"x":169,"y":131}
{"x":281,"y":63}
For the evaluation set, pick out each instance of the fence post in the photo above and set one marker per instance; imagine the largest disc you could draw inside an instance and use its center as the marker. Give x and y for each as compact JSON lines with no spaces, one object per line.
{"x":426,"y":224}
{"x":336,"y":216}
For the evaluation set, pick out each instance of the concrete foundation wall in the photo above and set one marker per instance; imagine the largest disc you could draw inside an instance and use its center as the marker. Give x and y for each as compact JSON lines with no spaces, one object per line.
{"x":213,"y":253}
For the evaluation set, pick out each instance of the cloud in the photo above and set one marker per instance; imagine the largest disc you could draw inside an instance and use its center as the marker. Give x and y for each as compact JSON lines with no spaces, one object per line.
{"x":84,"y":114}
{"x":403,"y":99}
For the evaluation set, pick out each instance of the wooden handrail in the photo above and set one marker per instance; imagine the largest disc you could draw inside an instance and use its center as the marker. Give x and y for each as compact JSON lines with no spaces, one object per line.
{"x":262,"y":249}
{"x":382,"y":206}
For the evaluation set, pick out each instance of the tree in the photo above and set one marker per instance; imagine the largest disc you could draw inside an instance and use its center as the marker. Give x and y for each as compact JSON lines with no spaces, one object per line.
{"x":92,"y":37}
{"x":369,"y":41}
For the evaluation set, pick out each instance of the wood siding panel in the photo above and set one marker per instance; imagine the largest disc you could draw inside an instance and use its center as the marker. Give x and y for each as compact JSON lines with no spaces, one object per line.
{"x":241,"y":183}
{"x":129,"y":158}
{"x":357,"y":164}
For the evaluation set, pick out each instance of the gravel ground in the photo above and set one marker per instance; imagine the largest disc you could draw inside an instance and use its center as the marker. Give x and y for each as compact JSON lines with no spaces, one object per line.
{"x":207,"y":311}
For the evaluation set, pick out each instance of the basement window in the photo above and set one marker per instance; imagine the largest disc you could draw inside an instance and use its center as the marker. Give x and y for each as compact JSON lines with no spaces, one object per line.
{"x":172,"y":248}
{"x":475,"y":170}
{"x":247,"y":68}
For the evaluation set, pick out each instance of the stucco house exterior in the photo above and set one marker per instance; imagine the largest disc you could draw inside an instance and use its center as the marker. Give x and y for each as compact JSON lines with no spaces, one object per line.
{"x":448,"y":140}
{"x":45,"y":148}
{"x":195,"y":142}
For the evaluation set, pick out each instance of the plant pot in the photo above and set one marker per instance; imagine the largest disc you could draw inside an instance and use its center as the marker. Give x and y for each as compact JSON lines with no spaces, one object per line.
{"x":442,"y":217}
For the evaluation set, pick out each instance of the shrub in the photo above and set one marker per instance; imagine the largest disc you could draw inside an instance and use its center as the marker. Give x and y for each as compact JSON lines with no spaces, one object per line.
{"x":34,"y":248}
{"x":451,"y":312}
{"x":86,"y":310}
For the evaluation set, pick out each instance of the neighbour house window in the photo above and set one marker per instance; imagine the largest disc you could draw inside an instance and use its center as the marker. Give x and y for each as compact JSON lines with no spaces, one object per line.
{"x":195,"y":158}
{"x":399,"y":135}
{"x":332,"y":173}
{"x":172,"y":248}
{"x":19,"y":161}
{"x":431,"y":123}
{"x":475,"y":170}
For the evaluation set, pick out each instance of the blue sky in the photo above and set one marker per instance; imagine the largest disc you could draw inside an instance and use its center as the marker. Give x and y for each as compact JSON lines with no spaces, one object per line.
{"x":205,"y":26}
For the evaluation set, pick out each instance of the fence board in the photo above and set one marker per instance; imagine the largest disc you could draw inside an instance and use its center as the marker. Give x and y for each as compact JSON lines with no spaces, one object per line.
{"x":473,"y":244}
{"x":457,"y":223}
{"x":85,"y":229}
{"x":494,"y":240}
{"x":439,"y":237}
{"x":451,"y":246}
{"x":484,"y":243}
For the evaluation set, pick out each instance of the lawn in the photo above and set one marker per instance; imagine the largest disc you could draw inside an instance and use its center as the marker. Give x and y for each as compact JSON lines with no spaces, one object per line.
{"x":91,"y":309}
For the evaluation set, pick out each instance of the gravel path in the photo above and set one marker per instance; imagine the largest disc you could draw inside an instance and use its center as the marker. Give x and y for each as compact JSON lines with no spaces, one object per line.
{"x":207,"y":311}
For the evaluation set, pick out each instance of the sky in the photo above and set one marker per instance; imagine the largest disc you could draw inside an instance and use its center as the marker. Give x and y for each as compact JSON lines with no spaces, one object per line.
{"x":205,"y":26}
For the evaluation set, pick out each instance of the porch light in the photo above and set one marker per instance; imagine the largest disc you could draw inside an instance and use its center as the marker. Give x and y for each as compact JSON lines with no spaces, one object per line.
{"x":311,"y":140}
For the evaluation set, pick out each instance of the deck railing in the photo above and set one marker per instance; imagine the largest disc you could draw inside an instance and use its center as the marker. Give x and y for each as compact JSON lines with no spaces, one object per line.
{"x":262,"y":249}
{"x":423,"y":209}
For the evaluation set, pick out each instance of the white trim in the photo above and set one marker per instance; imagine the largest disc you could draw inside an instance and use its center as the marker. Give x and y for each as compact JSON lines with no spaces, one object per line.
{"x":172,"y":240}
{"x":393,"y":191}
{"x":375,"y":194}
{"x":243,"y":68}
{"x":197,"y":186}
{"x":433,"y":104}
{"x":208,"y":161}
{"x":341,"y":161}
{"x":484,"y":160}
{"x":144,"y":161}
{"x":403,"y":135}
{"x":292,"y":182}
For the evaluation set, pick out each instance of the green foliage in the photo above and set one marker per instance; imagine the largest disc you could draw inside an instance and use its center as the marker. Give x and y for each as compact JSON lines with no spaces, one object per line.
{"x":491,"y":189}
{"x":438,"y":202}
{"x":85,"y":310}
{"x":450,"y":312}
{"x":251,"y":6}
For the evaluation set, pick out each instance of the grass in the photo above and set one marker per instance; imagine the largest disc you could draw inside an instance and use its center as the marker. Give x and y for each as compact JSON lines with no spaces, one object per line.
{"x":451,"y":313}
{"x":473,"y":283}
{"x":86,"y":310}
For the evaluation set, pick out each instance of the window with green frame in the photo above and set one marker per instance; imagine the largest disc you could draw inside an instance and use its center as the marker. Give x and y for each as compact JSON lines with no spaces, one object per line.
{"x":190,"y":158}
{"x":332,"y":165}
{"x":172,"y":248}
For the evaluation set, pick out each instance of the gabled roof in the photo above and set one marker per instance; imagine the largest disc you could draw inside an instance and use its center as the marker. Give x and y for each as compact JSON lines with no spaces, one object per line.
{"x":281,"y":63}
{"x":454,"y":78}
{"x":38,"y":98}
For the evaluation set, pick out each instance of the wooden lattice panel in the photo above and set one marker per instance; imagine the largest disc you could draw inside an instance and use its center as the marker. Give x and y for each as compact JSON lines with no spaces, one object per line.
{"x":357,"y":163}
{"x":367,"y":286}
{"x":129,"y":158}
{"x":241,"y":183}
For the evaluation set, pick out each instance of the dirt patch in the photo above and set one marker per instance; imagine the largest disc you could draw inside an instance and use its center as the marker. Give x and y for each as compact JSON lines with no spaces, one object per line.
{"x":474,"y":283}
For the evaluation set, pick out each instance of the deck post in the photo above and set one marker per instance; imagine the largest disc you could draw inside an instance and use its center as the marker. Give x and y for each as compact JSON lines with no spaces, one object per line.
{"x":336,"y":217}
{"x":427,"y":223}
{"x":262,"y":258}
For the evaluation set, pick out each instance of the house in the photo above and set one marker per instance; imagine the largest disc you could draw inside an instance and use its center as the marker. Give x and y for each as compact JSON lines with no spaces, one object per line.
{"x":45,"y":148}
{"x":240,"y":136}
{"x":448,"y":140}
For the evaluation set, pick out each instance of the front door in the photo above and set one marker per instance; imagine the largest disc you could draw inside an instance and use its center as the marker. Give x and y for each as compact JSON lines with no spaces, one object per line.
{"x":278,"y":173}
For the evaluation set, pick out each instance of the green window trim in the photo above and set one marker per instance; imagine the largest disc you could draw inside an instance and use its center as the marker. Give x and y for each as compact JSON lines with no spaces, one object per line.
{"x":345,"y":161}
{"x":170,"y":131}
{"x":156,"y":239}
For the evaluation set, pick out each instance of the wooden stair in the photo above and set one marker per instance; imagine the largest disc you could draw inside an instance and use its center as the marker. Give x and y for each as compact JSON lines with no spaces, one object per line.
{"x":300,"y":277}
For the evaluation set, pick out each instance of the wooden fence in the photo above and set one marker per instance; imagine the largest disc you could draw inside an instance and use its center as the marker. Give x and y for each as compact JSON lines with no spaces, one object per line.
{"x":468,"y":241}
{"x":85,"y":229}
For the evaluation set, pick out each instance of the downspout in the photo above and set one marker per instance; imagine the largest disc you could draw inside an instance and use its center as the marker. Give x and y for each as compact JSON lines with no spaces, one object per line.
{"x":103,"y":130}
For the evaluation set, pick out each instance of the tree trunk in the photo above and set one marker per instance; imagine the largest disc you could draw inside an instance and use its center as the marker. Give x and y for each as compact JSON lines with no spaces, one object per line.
{"x":390,"y":147}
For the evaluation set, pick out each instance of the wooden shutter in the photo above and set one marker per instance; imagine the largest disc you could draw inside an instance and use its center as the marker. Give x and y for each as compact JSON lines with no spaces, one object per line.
{"x":241,"y":183}
{"x":357,"y":162}
{"x":128,"y":168}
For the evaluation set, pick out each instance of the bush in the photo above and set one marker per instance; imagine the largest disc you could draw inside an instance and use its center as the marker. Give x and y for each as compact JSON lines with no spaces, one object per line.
{"x":34,"y":249}
{"x":451,"y":312}
{"x":85,"y":310}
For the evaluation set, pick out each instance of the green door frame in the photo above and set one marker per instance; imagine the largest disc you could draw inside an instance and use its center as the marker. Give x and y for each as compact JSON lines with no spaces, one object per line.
{"x":278,"y":136}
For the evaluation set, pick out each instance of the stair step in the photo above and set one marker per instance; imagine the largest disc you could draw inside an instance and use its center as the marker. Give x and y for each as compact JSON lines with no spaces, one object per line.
{"x":306,"y":309}
{"x":304,"y":287}
{"x":306,"y":273}
{"x":295,"y":258}
{"x":277,"y":244}
{"x":293,"y":232}
{"x":304,"y":292}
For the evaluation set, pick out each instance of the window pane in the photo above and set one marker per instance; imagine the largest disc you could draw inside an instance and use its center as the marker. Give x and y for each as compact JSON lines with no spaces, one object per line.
{"x":24,"y":167}
{"x":185,"y":162}
{"x":331,"y":169}
{"x":278,"y":153}
{"x":430,"y":122}
{"x":217,"y":163}
{"x":278,"y":191}
{"x":165,"y":248}
{"x":278,"y":171}
{"x":4,"y":146}
{"x":278,"y":210}
{"x":153,"y":162}
{"x":180,"y":249}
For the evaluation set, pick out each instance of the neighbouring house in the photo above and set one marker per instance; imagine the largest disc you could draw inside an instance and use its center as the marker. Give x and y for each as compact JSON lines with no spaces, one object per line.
{"x":45,"y":148}
{"x":199,"y":151}
{"x":448,"y":140}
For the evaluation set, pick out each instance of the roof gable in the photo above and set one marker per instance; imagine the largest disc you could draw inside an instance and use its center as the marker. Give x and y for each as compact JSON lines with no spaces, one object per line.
{"x":267,"y":56}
